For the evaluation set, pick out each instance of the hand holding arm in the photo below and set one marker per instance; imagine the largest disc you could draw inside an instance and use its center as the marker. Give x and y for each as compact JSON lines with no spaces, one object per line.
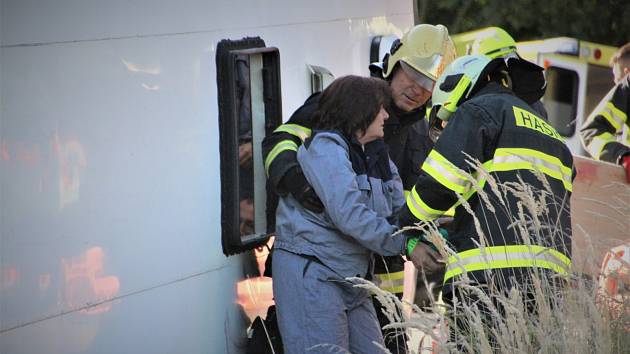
{"x":425,"y":258}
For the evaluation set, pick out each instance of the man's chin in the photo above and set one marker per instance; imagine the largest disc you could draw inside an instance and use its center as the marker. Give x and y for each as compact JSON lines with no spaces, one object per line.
{"x":406,"y":104}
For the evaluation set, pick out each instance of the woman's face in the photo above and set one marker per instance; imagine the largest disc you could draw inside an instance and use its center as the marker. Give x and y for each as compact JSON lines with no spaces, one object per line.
{"x":375,"y":130}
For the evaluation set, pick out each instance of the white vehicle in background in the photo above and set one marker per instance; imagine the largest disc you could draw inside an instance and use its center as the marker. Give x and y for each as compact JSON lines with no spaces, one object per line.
{"x":130,"y":200}
{"x":578,"y":76}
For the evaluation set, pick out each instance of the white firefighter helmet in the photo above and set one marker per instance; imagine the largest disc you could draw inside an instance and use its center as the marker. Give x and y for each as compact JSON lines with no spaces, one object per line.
{"x":456,"y":84}
{"x":425,"y":49}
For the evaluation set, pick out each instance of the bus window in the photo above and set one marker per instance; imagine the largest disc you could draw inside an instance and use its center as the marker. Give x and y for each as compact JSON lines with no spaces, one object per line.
{"x":248,"y":82}
{"x":561,"y":99}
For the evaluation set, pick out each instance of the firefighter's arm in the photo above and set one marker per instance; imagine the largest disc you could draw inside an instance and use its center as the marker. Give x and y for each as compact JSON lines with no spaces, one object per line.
{"x":600,"y":131}
{"x":279,"y":154}
{"x":446,"y":173}
{"x":326,"y":165}
{"x":280,"y":148}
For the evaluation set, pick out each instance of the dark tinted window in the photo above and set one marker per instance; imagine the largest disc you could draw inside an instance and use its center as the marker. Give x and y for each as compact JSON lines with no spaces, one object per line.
{"x":248,"y":82}
{"x":561,"y":99}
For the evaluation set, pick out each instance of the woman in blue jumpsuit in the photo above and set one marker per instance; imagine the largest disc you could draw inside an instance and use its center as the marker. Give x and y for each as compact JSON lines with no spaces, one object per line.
{"x":347,"y":164}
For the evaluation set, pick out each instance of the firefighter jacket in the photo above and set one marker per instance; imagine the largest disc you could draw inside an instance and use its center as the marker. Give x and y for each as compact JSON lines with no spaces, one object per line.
{"x":606,"y":133}
{"x":516,"y":147}
{"x":360,"y":190}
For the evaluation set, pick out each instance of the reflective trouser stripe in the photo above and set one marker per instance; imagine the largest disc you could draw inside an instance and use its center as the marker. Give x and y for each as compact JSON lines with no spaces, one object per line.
{"x":445,"y":172}
{"x":391,"y":282}
{"x":296,"y":130}
{"x":598,"y":142}
{"x":498,"y":257}
{"x":420,"y":209}
{"x":508,"y":159}
{"x":280,"y":147}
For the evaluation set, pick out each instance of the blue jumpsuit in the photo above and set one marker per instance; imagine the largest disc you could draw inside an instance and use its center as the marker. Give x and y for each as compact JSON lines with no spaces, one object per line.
{"x":318,"y":309}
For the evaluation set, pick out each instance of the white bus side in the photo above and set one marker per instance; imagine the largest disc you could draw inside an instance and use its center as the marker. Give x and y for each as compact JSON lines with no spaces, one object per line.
{"x":110,"y":193}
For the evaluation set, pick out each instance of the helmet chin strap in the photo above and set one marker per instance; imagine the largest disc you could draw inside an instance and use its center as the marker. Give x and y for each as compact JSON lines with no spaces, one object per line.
{"x":386,"y":64}
{"x":506,"y":80}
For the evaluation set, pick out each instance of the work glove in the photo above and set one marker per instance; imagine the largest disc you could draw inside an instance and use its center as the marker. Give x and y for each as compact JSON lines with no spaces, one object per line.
{"x":625,"y":162}
{"x":295,"y":182}
{"x":424,"y":255}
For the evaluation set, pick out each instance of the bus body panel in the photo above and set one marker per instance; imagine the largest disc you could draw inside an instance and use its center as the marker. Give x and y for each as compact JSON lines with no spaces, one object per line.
{"x":110,"y":215}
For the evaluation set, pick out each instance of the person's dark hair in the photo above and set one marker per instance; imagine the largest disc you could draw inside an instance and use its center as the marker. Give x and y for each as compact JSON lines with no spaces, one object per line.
{"x":350,"y":104}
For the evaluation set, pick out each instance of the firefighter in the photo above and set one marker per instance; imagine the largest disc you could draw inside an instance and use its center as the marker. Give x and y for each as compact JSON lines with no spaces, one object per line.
{"x":410,"y":69}
{"x":606,"y":132}
{"x":495,"y":43}
{"x":487,"y":122}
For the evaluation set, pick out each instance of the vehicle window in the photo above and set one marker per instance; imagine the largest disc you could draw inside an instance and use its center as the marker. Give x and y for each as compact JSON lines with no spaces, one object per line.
{"x":561,"y":99}
{"x":248,"y":82}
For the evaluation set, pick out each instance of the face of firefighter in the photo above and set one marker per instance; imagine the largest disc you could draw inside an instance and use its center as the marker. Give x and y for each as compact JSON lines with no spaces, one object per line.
{"x":406,"y":93}
{"x":375,"y":130}
{"x":620,"y":71}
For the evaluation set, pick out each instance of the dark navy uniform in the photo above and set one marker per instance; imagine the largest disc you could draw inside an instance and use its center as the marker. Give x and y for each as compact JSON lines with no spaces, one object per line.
{"x":516,"y":147}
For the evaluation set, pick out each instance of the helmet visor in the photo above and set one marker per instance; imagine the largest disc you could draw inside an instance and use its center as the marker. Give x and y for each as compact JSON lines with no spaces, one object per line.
{"x":431,"y":66}
{"x":424,"y":81}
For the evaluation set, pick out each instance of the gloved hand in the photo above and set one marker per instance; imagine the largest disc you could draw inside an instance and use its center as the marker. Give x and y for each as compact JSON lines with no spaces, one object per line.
{"x":424,"y":238}
{"x":424,"y":257}
{"x":625,"y":162}
{"x":295,"y":182}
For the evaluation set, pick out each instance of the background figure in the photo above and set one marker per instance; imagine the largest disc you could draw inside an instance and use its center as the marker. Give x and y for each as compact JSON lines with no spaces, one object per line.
{"x":606,"y":131}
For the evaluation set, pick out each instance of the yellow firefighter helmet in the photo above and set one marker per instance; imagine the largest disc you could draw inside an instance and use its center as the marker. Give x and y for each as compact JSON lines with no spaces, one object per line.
{"x":494,"y":43}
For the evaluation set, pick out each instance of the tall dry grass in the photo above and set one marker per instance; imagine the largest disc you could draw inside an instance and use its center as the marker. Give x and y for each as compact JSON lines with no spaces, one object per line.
{"x":549,"y":314}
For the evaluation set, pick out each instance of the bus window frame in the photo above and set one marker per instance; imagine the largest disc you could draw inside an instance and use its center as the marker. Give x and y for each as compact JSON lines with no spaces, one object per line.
{"x":266,"y":100}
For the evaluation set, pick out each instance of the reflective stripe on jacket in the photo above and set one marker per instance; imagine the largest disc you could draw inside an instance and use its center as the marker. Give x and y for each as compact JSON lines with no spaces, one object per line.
{"x":606,"y":132}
